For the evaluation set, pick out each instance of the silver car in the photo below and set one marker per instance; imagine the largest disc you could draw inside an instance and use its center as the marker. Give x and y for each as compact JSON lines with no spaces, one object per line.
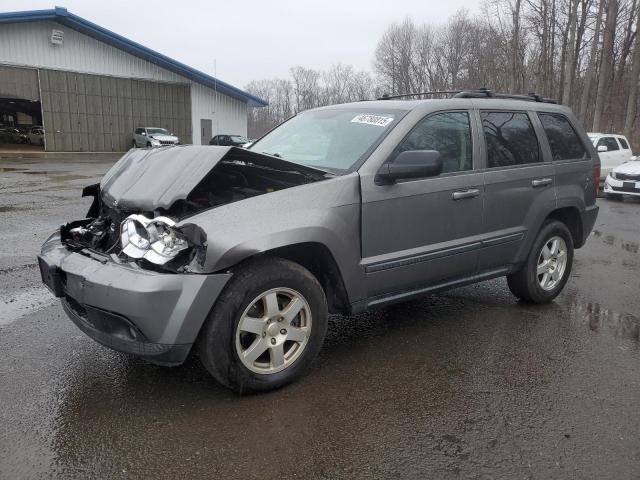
{"x":241,"y":254}
{"x":153,"y":137}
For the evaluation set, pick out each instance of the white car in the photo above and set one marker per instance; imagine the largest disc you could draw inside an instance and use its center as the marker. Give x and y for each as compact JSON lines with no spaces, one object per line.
{"x":613,"y":150}
{"x":36,"y":136}
{"x":153,"y":137}
{"x":623,"y":180}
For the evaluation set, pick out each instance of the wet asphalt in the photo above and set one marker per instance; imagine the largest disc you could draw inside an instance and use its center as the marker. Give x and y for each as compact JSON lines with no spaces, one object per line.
{"x":466,"y":384}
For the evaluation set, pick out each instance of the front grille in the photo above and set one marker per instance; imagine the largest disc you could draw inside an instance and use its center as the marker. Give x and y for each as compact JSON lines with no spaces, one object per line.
{"x":627,"y":176}
{"x":167,"y":142}
{"x":625,"y":189}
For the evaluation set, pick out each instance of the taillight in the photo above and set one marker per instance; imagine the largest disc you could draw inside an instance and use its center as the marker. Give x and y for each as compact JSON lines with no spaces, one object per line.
{"x":596,"y":177}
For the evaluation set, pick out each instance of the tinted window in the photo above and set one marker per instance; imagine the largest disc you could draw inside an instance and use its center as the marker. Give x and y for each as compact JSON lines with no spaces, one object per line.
{"x":510,"y":139}
{"x":624,"y":143}
{"x":139,"y":131}
{"x":563,"y":140}
{"x":609,"y":142}
{"x":448,"y":133}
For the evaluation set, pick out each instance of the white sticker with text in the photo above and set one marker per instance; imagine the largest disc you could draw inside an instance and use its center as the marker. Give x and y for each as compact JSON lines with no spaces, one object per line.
{"x":378,"y":120}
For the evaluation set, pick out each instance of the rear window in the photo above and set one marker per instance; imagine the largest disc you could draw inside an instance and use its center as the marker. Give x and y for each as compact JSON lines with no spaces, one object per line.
{"x":624,"y":143}
{"x":510,"y":139}
{"x":563,"y":139}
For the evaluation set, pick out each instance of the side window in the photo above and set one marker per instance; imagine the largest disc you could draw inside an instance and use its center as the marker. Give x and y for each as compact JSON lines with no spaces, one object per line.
{"x":510,"y":139}
{"x":449,"y":133}
{"x":139,"y":131}
{"x":563,"y":140}
{"x":610,"y":143}
{"x":623,"y":142}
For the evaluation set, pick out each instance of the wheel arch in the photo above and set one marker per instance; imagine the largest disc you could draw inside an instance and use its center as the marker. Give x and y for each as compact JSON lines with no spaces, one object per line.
{"x":571,"y":217}
{"x":318,"y":259}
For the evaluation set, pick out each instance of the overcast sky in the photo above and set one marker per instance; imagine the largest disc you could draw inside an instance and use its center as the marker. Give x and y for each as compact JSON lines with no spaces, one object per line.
{"x":253,"y":39}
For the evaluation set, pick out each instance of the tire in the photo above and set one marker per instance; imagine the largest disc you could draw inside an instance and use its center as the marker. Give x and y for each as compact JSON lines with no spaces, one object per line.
{"x":614,"y":196}
{"x":148,"y":144}
{"x":224,"y":338}
{"x":527,"y":284}
{"x":134,"y":144}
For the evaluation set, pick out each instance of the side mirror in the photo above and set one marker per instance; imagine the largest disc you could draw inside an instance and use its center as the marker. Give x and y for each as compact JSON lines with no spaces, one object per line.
{"x":410,"y":164}
{"x":602,"y":148}
{"x":144,"y":134}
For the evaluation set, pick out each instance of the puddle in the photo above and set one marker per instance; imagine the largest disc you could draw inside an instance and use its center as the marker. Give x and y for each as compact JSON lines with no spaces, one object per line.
{"x":633,"y":247}
{"x":11,"y":169}
{"x":630,"y":246}
{"x":600,"y":319}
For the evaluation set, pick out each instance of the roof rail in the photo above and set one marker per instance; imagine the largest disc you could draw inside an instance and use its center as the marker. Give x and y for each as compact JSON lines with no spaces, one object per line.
{"x":485,"y":93}
{"x":386,"y":96}
{"x":477,"y":93}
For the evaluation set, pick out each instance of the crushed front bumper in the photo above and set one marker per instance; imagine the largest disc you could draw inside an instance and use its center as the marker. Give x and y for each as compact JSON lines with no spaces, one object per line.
{"x":122,"y":306}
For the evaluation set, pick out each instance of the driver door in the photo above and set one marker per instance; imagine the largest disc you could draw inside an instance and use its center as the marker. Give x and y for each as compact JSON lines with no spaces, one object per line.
{"x":417,"y":234}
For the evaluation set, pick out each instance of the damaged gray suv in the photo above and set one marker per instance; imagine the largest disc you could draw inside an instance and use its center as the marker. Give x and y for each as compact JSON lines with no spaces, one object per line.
{"x":239,"y":254}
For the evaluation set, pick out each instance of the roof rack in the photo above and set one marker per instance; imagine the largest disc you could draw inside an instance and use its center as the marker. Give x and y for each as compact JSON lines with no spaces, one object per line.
{"x":478,"y":93}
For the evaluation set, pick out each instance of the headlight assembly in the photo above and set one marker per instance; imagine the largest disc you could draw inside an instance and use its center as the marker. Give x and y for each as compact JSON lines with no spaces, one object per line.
{"x":155,"y":240}
{"x":154,"y":142}
{"x":613,"y":175}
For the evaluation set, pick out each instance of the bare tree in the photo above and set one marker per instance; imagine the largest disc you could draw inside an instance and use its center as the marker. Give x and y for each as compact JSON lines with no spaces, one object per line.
{"x":607,"y":63}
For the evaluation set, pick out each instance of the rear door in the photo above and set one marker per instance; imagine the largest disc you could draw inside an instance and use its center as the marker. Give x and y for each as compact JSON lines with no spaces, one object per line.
{"x":418,"y":233}
{"x":572,"y":162}
{"x":625,"y":149}
{"x":519,"y":186}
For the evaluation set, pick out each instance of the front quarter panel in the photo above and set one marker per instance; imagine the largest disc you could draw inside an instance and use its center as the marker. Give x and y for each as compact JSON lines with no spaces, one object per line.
{"x":326,"y":212}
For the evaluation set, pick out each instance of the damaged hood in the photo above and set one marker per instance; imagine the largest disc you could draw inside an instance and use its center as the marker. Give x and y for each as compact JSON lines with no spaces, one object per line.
{"x":151,"y":179}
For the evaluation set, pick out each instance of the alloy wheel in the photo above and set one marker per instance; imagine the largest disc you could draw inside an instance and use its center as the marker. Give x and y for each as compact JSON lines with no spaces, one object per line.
{"x":552,"y":263}
{"x":273,"y":330}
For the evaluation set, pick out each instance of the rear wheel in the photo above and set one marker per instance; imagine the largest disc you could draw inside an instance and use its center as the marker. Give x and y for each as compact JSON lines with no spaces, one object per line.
{"x":265,"y":328}
{"x":548,"y":266}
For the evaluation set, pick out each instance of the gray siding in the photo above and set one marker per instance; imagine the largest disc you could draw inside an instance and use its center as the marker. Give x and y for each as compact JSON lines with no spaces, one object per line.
{"x":28,"y":44}
{"x":19,"y":83}
{"x":97,"y":113}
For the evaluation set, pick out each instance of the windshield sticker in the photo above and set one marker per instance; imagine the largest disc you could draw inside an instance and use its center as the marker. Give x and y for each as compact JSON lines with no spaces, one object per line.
{"x":377,"y":120}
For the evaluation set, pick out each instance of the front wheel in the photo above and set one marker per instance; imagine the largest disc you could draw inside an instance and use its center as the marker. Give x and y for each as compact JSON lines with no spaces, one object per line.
{"x":266,"y":327}
{"x":548,"y":265}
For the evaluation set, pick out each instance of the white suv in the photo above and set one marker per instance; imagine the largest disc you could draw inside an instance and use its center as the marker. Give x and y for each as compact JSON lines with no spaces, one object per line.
{"x":153,"y":137}
{"x":613,"y":150}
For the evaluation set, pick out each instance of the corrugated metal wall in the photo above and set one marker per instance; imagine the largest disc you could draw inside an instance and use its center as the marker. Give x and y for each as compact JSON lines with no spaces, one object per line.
{"x":19,"y":83}
{"x":97,"y":113}
{"x":27,"y":44}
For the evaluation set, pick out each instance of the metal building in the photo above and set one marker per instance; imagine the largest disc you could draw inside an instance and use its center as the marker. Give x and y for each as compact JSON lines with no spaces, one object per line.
{"x":91,"y":87}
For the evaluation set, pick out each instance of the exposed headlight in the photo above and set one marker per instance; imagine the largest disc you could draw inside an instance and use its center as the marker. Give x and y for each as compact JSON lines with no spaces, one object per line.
{"x":153,"y":239}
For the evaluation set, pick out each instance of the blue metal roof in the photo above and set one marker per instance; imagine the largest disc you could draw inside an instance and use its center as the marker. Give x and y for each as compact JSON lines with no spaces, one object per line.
{"x":64,"y":17}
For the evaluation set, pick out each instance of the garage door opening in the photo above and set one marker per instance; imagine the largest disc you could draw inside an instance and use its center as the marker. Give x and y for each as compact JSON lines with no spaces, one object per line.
{"x":20,"y":110}
{"x":21,"y":125}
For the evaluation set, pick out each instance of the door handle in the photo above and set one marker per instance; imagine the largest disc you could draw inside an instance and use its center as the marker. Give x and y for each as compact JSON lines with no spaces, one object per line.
{"x":541,"y":182}
{"x":472,"y":192}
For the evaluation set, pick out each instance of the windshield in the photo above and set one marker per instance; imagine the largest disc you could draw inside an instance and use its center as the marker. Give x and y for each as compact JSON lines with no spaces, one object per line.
{"x":331,"y":139}
{"x":157,"y":131}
